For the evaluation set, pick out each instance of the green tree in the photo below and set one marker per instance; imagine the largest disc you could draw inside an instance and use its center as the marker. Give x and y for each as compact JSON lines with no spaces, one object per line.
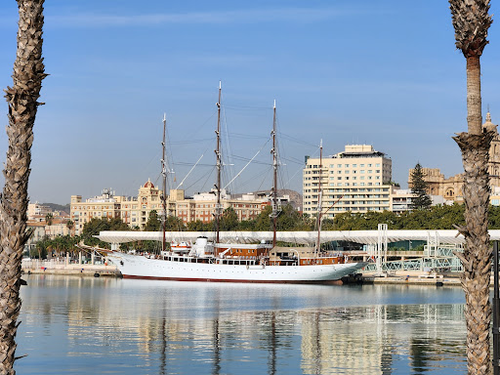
{"x":198,"y":226}
{"x":290,"y":219}
{"x":22,"y":100}
{"x":153,"y":223}
{"x":229,"y":220}
{"x":471,"y":22}
{"x":40,"y":250}
{"x":247,"y":225}
{"x":174,"y":224}
{"x":48,"y":220}
{"x":95,"y":225}
{"x":70,"y":224}
{"x":421,"y":201}
{"x":263,"y":221}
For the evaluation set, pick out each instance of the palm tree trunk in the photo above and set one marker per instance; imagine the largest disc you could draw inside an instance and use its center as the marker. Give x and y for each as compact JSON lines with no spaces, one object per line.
{"x":22,"y":101}
{"x":471,"y":21}
{"x":476,"y":259}
{"x":474,"y":118}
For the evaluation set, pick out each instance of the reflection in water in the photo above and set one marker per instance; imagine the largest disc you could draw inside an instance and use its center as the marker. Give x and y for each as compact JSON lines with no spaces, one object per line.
{"x":130,"y":326}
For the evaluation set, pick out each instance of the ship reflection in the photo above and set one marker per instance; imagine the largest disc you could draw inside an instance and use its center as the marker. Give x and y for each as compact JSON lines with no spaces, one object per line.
{"x":220,"y":329}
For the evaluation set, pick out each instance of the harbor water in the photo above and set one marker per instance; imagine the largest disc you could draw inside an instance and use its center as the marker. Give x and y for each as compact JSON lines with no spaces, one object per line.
{"x":82,"y":325}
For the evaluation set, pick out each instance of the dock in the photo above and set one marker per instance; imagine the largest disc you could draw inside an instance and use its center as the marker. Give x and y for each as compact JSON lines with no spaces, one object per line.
{"x":62,"y":267}
{"x":405,"y":278}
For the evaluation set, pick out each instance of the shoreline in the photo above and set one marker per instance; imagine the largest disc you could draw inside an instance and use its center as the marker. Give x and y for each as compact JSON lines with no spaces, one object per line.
{"x":89,"y":270}
{"x":398,"y":278}
{"x":409,"y":278}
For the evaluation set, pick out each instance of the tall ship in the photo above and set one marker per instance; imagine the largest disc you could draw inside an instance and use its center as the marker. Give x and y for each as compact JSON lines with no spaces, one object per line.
{"x":214,"y":261}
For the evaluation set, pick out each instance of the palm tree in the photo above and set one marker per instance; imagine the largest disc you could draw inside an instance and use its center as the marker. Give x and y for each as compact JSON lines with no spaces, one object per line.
{"x":22,"y":102}
{"x":70,"y":224}
{"x":471,"y":21}
{"x":48,"y":220}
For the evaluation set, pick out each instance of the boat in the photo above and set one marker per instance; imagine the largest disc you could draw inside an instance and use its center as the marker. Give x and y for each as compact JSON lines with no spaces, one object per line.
{"x":180,"y":247}
{"x":206,"y":260}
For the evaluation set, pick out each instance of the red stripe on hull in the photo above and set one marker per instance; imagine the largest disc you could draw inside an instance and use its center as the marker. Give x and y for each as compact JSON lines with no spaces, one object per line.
{"x":330,"y":282}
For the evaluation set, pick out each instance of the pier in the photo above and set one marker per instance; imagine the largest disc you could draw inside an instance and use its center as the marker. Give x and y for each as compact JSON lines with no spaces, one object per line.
{"x":66,"y":267}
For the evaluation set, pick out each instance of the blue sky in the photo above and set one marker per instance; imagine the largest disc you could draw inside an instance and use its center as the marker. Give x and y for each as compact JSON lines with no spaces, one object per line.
{"x":382,"y":72}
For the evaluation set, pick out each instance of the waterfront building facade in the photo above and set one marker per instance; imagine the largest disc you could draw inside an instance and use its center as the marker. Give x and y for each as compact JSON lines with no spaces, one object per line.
{"x":451,"y":188}
{"x":357,"y":180}
{"x":135,"y":211}
{"x":201,"y":206}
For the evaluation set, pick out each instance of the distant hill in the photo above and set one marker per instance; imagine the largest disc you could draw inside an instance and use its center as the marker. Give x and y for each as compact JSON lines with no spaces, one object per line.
{"x":58,"y":207}
{"x":295,"y":197}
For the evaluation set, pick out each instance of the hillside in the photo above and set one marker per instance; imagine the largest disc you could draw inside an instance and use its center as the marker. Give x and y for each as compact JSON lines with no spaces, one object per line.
{"x":58,"y":207}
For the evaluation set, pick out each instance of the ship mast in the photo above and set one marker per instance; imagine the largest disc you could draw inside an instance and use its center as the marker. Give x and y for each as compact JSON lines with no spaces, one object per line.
{"x":164,"y":176}
{"x":274,"y":213}
{"x":320,"y":198}
{"x":217,"y":213}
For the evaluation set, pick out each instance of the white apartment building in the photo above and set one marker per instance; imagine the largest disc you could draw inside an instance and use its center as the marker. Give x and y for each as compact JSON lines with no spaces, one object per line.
{"x":357,"y":180}
{"x":401,"y":200}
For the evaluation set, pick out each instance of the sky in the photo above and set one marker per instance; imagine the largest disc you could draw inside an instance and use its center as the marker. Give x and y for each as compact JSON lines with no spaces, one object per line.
{"x":385,"y":73}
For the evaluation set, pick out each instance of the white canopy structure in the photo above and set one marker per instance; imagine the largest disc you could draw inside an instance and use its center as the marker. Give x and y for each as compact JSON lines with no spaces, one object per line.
{"x":307,"y":238}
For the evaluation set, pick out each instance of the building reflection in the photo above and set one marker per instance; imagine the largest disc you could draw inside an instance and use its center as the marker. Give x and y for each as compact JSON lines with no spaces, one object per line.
{"x":166,"y":326}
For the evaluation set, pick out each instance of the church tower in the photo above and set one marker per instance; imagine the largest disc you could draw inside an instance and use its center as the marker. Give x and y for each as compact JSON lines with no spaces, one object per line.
{"x":494,"y":163}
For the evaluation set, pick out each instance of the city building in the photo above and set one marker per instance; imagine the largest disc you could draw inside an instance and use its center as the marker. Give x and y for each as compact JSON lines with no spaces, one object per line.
{"x":37,"y":210}
{"x":201,"y":206}
{"x":451,"y":188}
{"x":135,"y":211}
{"x":401,"y":200}
{"x":357,"y":179}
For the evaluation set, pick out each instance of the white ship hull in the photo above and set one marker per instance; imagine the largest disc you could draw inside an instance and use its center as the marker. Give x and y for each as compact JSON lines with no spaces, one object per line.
{"x":141,"y":267}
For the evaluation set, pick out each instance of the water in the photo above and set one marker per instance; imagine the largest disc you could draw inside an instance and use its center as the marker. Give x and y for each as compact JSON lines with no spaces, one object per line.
{"x":73,"y":325}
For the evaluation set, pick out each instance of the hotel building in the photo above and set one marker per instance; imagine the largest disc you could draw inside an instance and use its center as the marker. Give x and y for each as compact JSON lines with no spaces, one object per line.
{"x":357,"y":180}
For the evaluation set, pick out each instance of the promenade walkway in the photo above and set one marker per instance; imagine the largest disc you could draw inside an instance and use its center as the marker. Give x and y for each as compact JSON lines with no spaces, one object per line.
{"x":65,"y":267}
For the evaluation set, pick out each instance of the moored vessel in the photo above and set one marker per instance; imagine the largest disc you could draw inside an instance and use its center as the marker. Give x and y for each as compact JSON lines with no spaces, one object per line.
{"x":232,"y":262}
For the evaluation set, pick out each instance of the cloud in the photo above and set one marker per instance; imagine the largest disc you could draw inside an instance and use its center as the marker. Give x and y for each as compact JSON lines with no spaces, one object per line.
{"x":302,"y":15}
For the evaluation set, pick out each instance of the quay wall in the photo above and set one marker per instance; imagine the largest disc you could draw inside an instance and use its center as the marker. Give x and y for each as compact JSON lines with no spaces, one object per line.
{"x":62,"y":267}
